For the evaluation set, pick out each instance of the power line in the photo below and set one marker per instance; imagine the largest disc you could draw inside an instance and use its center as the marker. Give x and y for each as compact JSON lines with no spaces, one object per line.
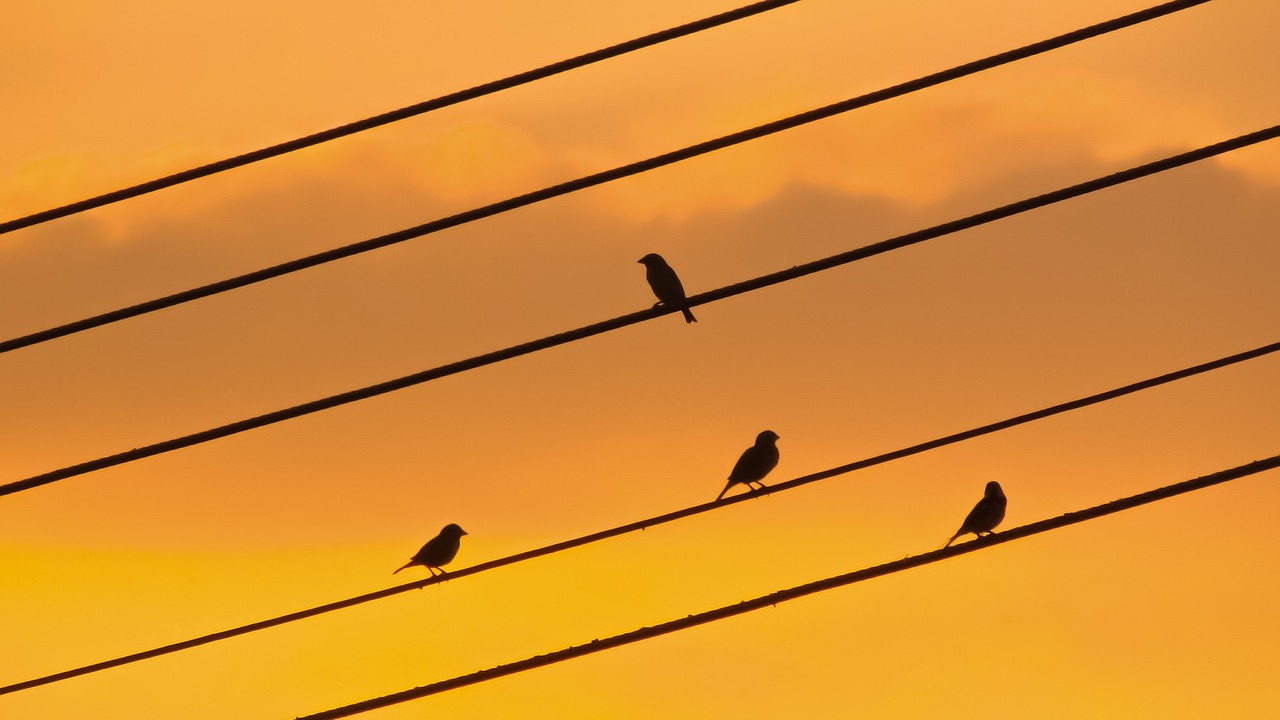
{"x":799,"y":591}
{"x":641,"y":316}
{"x":649,"y":522}
{"x":403,"y":113}
{"x":593,"y":180}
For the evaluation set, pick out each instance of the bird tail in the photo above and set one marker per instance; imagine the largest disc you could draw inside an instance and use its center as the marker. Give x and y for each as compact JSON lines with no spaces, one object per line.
{"x":408,"y":564}
{"x":688,"y":316}
{"x":953,"y":539}
{"x":725,"y":490}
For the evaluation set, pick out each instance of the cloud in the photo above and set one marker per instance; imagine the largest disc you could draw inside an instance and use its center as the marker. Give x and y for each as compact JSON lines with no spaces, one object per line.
{"x":1027,"y":311}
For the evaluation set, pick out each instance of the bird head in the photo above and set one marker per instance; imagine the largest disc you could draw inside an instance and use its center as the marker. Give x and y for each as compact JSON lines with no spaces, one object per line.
{"x":994,"y":490}
{"x":454,"y":530}
{"x":651,"y":259}
{"x":768,"y":436}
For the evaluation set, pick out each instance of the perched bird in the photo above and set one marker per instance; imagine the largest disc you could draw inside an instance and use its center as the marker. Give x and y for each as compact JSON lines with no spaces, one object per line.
{"x":984,"y":516}
{"x":438,"y":551}
{"x":755,"y":463}
{"x":665,"y":284}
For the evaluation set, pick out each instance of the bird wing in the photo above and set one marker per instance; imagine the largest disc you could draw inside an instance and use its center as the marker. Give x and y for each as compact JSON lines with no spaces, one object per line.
{"x":746,"y":465}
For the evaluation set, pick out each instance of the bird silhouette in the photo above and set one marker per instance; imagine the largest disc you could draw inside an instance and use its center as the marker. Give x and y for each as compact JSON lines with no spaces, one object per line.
{"x":438,"y":551}
{"x":755,"y":463}
{"x":665,"y":284}
{"x":984,"y":516}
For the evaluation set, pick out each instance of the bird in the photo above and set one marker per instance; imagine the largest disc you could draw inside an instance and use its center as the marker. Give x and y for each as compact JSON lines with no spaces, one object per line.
{"x":438,"y":551}
{"x":755,"y":463}
{"x":984,"y":516}
{"x":665,"y":284}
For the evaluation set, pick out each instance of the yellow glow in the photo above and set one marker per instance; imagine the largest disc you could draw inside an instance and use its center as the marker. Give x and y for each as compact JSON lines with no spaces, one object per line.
{"x":1164,"y":612}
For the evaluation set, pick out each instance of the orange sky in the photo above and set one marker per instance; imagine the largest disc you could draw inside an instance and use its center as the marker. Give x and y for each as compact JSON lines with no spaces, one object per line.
{"x":1166,"y":611}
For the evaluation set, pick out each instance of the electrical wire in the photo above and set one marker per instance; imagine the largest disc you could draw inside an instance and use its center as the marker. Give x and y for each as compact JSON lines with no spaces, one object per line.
{"x":772,"y":599}
{"x":392,"y":116}
{"x":648,"y":522}
{"x":641,"y":316}
{"x":599,"y":178}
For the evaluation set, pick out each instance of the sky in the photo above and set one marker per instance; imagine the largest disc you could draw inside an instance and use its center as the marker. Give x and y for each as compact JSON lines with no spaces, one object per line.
{"x":1165,"y":611}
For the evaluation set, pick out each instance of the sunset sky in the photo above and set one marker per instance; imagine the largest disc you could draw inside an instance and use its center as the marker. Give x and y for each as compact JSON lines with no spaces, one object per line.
{"x":1167,"y":611}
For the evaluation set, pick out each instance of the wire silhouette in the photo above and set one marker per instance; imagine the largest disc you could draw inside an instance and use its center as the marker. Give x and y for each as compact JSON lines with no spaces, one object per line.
{"x":587,"y":331}
{"x":746,"y":606}
{"x":649,"y":522}
{"x":392,"y":116}
{"x":595,"y":179}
